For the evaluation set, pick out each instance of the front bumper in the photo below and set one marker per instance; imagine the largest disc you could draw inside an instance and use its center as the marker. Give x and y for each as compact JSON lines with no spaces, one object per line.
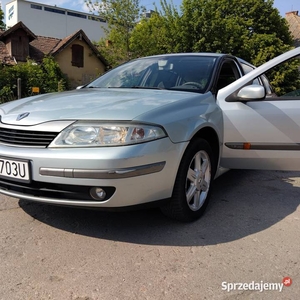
{"x":130,"y":175}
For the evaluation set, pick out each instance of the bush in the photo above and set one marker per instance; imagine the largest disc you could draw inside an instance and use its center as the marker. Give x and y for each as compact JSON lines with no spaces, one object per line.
{"x":46,"y":76}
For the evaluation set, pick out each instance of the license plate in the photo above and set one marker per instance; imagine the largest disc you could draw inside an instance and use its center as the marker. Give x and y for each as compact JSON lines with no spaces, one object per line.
{"x":14,"y":169}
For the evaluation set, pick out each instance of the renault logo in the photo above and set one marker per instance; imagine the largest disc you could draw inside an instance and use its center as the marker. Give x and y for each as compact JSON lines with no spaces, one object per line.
{"x":22,"y":116}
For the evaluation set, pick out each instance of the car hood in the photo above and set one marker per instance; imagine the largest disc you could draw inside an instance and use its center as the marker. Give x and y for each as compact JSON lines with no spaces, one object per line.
{"x":88,"y":104}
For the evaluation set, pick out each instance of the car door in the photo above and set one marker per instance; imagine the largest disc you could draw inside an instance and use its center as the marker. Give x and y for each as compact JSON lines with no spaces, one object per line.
{"x":260,"y":131}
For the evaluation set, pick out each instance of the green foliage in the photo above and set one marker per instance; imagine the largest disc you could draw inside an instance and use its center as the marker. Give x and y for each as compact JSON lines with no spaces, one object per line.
{"x":54,"y":79}
{"x":157,"y":34}
{"x":285,"y":78}
{"x":245,"y":28}
{"x":6,"y":94}
{"x":121,"y":17}
{"x":46,"y":76}
{"x":149,"y":37}
{"x":2,"y":24}
{"x":113,"y":54}
{"x":239,"y":27}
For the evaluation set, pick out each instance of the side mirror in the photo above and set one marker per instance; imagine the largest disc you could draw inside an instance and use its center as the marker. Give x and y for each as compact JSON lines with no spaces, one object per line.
{"x":251,"y":92}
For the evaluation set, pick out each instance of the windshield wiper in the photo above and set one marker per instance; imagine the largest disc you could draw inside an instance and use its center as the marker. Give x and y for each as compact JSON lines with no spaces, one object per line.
{"x":128,"y":87}
{"x":145,"y":87}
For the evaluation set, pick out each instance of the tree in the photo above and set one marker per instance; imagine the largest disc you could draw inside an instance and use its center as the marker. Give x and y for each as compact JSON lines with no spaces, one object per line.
{"x":251,"y":29}
{"x":2,"y":24}
{"x":121,"y":17}
{"x":149,"y":36}
{"x":157,"y":34}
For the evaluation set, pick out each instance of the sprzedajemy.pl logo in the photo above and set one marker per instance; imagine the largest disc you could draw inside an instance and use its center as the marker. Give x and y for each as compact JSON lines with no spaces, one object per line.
{"x":256,"y":286}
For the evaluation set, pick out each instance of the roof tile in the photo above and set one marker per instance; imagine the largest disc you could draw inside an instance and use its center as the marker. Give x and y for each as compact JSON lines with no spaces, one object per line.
{"x":294,"y":25}
{"x":42,"y":46}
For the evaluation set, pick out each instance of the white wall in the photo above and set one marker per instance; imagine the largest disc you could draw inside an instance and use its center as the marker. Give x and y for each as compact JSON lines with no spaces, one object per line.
{"x":51,"y":24}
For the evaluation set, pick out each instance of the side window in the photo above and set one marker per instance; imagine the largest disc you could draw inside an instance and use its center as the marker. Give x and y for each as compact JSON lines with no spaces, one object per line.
{"x":77,"y":56}
{"x":267,"y":85}
{"x":247,"y":69}
{"x":229,"y":73}
{"x":262,"y":80}
{"x":285,"y":78}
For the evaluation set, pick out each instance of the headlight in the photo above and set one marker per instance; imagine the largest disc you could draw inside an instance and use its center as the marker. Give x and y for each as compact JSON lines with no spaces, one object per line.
{"x":81,"y":134}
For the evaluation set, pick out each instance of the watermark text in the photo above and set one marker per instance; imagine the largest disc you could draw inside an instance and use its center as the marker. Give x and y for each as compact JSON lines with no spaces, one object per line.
{"x":260,"y":286}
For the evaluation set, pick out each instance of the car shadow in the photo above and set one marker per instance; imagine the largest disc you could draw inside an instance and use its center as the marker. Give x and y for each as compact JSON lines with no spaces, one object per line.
{"x":242,"y":203}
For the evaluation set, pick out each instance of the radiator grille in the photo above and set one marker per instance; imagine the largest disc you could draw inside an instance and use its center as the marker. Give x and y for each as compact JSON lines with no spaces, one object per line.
{"x":26,"y":138}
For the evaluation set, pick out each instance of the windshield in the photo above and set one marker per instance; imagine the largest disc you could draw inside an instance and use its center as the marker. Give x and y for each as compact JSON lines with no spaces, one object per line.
{"x":188,"y":72}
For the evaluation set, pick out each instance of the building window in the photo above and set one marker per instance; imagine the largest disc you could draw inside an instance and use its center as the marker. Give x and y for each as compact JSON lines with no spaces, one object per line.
{"x":20,"y":47}
{"x":55,"y":10}
{"x":69,"y":13}
{"x":11,"y":12}
{"x":96,"y":19}
{"x":77,"y":56}
{"x":36,"y":6}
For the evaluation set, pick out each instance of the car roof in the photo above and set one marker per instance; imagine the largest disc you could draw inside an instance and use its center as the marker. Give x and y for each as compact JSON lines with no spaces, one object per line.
{"x":207,"y":54}
{"x":190,"y":54}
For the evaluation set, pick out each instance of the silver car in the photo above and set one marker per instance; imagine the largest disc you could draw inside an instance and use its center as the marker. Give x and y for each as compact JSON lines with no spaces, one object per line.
{"x":155,"y":130}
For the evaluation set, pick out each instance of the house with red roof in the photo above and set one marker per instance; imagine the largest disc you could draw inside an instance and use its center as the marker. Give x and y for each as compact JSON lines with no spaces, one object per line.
{"x":293,"y":20}
{"x":76,"y":55}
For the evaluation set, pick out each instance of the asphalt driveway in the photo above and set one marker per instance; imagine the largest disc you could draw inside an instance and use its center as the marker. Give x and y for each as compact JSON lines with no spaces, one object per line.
{"x":242,"y":248}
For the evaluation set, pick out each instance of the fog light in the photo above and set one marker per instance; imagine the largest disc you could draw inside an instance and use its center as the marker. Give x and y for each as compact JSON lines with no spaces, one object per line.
{"x":97,"y":193}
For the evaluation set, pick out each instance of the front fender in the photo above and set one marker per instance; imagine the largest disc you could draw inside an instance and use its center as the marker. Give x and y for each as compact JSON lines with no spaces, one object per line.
{"x":183,"y":119}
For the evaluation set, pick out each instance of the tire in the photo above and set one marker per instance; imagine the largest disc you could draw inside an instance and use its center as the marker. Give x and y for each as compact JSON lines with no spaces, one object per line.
{"x":193,"y":183}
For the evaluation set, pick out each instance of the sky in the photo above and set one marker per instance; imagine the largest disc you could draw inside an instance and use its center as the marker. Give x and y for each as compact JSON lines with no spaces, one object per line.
{"x":282,"y":5}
